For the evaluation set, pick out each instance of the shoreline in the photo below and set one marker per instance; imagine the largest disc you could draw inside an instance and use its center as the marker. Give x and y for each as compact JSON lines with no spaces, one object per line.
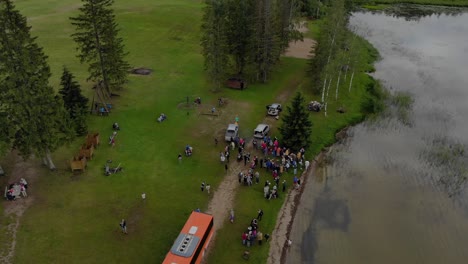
{"x":287,"y":214}
{"x":285,"y":218}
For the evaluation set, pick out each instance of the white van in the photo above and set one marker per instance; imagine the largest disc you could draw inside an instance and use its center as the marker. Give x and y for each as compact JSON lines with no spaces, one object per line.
{"x":232,"y":131}
{"x":261,"y":130}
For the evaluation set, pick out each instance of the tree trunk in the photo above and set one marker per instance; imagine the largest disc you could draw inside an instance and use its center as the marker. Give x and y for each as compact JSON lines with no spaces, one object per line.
{"x":49,"y":160}
{"x":332,"y":43}
{"x":328,"y":88}
{"x":99,"y":50}
{"x":351,"y":82}
{"x":44,"y":161}
{"x":337,"y":85}
{"x":324,"y":87}
{"x":346,"y":70}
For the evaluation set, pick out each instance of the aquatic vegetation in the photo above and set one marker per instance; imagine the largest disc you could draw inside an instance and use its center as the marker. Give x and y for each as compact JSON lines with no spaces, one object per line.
{"x":375,"y":99}
{"x":402,"y":103}
{"x":450,"y":163}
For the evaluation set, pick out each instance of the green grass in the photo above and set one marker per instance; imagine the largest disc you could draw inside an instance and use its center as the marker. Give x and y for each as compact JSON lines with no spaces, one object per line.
{"x":75,"y":217}
{"x":376,"y":6}
{"x":314,"y":29}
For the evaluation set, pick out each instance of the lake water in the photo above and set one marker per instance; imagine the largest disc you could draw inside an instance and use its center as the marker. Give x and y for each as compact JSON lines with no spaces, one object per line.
{"x":394,"y":192}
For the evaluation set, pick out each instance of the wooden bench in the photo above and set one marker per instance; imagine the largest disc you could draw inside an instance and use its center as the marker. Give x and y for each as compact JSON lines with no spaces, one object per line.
{"x":87,"y":151}
{"x":92,"y":139}
{"x":78,"y":164}
{"x":210,"y":114}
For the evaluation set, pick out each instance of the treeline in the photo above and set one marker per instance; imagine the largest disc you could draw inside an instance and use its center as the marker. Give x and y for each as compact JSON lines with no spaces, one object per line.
{"x":245,"y":38}
{"x":420,"y":2}
{"x":337,"y":58}
{"x":34,"y":118}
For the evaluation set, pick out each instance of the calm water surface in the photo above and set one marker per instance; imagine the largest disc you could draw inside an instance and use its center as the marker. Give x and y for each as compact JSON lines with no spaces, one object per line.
{"x":393,"y":193}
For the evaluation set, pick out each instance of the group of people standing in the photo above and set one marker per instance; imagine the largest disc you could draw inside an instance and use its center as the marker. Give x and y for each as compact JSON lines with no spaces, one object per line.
{"x":248,"y":177}
{"x":277,"y":160}
{"x":253,"y":233}
{"x":204,"y":186}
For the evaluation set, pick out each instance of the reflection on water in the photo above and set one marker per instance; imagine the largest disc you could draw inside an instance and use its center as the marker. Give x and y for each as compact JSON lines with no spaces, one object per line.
{"x":395,"y":193}
{"x":416,"y":12}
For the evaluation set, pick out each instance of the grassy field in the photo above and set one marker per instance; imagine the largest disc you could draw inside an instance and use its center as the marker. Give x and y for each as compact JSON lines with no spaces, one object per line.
{"x":75,"y":217}
{"x":313,"y":29}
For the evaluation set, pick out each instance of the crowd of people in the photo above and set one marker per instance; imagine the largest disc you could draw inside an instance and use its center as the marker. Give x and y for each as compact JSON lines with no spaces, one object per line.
{"x":268,"y":157}
{"x":276,"y":160}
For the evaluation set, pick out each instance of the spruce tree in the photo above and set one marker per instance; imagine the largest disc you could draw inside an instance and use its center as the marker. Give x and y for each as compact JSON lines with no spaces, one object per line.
{"x":214,"y":41}
{"x":296,"y":127}
{"x":36,"y":118}
{"x":240,"y":33}
{"x":75,"y":103}
{"x":288,"y":21}
{"x":267,"y":44}
{"x":99,"y":45}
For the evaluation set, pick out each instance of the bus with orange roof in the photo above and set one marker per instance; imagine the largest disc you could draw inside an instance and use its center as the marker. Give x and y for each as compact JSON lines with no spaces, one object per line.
{"x":193,"y":240}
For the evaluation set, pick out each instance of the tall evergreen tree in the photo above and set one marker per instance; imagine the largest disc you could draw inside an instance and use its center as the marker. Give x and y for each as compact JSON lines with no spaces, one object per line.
{"x":214,"y":40}
{"x":99,"y":45}
{"x":288,"y":21}
{"x":36,"y":119}
{"x":296,"y":127}
{"x":239,"y":32}
{"x":256,"y":33}
{"x":75,"y":102}
{"x":267,"y":44}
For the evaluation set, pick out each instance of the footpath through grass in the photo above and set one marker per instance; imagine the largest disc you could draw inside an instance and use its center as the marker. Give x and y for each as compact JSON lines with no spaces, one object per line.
{"x":75,"y":217}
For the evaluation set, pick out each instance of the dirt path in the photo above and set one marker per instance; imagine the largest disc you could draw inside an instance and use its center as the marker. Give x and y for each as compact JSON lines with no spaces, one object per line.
{"x":14,"y":210}
{"x":223,"y":198}
{"x":301,"y":49}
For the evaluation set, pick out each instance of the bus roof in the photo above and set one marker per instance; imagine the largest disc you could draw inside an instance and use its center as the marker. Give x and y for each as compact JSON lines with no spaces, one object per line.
{"x":189,"y":239}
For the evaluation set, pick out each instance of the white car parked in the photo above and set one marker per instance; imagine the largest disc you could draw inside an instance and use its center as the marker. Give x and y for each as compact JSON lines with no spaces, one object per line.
{"x":274,"y":109}
{"x":261,"y":130}
{"x":232,"y":131}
